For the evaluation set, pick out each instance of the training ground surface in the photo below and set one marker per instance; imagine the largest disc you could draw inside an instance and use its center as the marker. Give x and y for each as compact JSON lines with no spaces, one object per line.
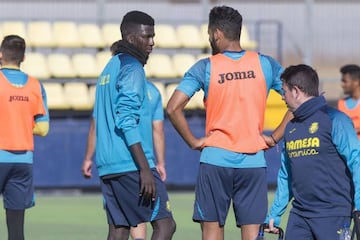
{"x":81,"y":217}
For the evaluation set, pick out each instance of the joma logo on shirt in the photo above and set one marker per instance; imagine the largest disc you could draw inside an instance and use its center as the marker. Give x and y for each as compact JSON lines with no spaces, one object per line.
{"x":235,"y":76}
{"x":19,"y":98}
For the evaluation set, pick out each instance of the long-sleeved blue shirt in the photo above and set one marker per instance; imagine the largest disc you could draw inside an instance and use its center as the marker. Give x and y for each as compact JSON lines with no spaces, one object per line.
{"x":155,"y":100}
{"x":320,"y":164}
{"x":123,"y":116}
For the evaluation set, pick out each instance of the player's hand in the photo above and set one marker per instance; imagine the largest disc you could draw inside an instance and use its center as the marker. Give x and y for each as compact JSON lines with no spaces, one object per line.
{"x":162,"y":171}
{"x":86,"y":168}
{"x":356,"y":215}
{"x":272,"y":227}
{"x":147,"y":187}
{"x":268,"y":140}
{"x":198,"y":144}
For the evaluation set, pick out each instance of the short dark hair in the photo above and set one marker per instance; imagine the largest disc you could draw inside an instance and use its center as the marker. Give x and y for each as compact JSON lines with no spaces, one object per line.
{"x":352,"y":69}
{"x":226,"y":19}
{"x":303,"y":77}
{"x":132,"y":20}
{"x":13,"y":49}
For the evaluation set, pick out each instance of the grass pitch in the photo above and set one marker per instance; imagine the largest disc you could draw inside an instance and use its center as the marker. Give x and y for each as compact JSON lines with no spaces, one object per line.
{"x":81,"y":217}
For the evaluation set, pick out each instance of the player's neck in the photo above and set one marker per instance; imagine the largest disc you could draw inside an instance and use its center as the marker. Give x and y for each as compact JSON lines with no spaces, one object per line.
{"x":10,"y":66}
{"x":232,"y":46}
{"x":356,"y":95}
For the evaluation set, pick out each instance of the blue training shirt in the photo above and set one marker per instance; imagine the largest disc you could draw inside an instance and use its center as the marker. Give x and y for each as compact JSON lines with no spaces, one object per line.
{"x":198,"y":77}
{"x":123,"y":116}
{"x":155,"y":100}
{"x":19,"y":78}
{"x":320,"y":164}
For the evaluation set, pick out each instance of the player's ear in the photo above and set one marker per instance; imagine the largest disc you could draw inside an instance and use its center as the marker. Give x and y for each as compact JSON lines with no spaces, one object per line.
{"x":131,"y":38}
{"x":296,"y":91}
{"x":218,"y":34}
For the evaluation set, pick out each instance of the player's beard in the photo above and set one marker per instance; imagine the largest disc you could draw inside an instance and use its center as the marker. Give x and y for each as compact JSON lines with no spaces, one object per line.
{"x":215,"y":50}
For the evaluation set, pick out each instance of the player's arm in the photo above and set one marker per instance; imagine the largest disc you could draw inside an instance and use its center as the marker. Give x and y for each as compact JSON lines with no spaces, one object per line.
{"x":133,"y":139}
{"x":148,"y":189}
{"x":283,"y":194}
{"x":159,"y":146}
{"x":348,"y":145}
{"x":278,"y":133}
{"x":90,"y":149}
{"x":41,"y":127}
{"x":130,"y":95}
{"x":175,"y":111}
{"x":192,"y":81}
{"x":272,"y":71}
{"x":158,"y":130}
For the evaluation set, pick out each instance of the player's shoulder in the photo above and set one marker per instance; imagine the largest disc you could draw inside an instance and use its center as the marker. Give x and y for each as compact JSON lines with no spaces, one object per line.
{"x":201,"y":63}
{"x":267,"y":59}
{"x":152,"y":88}
{"x":33,"y":79}
{"x":127,"y":65}
{"x":337,"y":116}
{"x":344,"y":99}
{"x":198,"y":69}
{"x":36,"y":82}
{"x":127,"y":59}
{"x":150,"y":85}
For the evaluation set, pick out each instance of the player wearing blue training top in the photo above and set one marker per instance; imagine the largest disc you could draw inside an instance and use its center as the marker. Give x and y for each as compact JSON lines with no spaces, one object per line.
{"x":154,"y":96}
{"x":23,"y":114}
{"x":320,"y":162}
{"x":157,"y":111}
{"x":235,"y":83}
{"x":124,"y":146}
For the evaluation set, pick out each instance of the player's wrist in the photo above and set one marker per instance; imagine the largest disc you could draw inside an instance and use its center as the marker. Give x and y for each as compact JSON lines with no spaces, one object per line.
{"x":160,"y":164}
{"x":87,"y":159}
{"x":273,"y":139}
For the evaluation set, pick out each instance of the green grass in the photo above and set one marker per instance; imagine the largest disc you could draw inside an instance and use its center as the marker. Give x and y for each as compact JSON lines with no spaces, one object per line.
{"x":80,"y":217}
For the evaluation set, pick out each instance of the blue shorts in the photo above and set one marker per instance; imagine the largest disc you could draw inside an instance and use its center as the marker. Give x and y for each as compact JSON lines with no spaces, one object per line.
{"x":124,"y":206}
{"x":16,"y":184}
{"x":321,"y":228}
{"x":217,"y":186}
